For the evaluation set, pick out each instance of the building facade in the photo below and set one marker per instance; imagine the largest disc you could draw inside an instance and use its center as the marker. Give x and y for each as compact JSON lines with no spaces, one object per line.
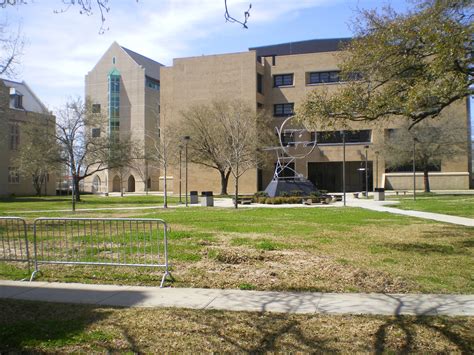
{"x":124,"y":87}
{"x":19,"y":106}
{"x":276,"y":79}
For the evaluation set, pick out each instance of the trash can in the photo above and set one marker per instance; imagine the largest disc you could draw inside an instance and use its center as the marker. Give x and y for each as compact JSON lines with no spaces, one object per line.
{"x":379,"y":194}
{"x":193,"y":196}
{"x":207,"y":199}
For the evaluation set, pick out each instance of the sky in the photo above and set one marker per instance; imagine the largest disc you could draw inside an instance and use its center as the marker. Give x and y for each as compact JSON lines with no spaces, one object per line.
{"x":61,"y":48}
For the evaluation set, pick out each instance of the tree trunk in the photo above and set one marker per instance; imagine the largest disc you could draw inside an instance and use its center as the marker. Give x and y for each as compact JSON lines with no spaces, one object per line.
{"x":37,"y":184}
{"x":426,"y":180}
{"x":236,"y":202}
{"x":76,"y":189}
{"x":165,"y":189}
{"x":224,"y":181}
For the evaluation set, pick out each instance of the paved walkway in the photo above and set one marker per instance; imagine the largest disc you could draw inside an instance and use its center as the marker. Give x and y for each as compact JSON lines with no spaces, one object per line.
{"x":381,"y":206}
{"x":237,"y":300}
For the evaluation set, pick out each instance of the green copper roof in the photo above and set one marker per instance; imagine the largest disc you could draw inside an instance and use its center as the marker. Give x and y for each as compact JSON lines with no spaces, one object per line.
{"x":114,"y":72}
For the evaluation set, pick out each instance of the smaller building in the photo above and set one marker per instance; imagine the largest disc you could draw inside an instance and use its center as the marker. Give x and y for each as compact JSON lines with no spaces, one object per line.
{"x":18,"y":107}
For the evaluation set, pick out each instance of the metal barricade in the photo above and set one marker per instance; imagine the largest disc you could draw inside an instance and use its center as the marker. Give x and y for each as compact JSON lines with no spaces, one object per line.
{"x":101,"y":241}
{"x":14,"y":240}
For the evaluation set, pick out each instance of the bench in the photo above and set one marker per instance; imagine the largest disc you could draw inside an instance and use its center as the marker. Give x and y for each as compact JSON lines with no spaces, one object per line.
{"x":400,"y":191}
{"x":243,"y":200}
{"x":325,"y":199}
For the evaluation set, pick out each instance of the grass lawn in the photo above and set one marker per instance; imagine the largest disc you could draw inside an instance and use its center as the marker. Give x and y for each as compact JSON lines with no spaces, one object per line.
{"x":456,"y":205}
{"x":47,"y":327}
{"x":317,"y":249}
{"x":11,"y":205}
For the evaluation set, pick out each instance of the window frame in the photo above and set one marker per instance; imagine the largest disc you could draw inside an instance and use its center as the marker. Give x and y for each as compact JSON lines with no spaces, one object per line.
{"x":283,"y":106}
{"x":329,"y":73}
{"x":282,"y":77}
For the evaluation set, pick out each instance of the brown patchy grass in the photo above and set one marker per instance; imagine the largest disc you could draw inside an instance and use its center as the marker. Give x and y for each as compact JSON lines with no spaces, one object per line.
{"x":330,"y":250}
{"x":51,"y":328}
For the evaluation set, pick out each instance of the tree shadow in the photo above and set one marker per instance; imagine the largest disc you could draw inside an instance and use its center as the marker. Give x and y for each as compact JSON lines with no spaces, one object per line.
{"x":408,"y":325}
{"x":27,"y":324}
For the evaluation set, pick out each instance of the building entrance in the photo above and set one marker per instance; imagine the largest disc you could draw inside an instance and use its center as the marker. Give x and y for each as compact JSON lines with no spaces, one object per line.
{"x":328,"y":176}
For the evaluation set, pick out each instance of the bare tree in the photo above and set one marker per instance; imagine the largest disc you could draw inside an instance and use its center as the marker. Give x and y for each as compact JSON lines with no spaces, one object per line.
{"x":38,"y":152}
{"x":84,"y":147}
{"x":11,"y":47}
{"x":431,"y":142}
{"x":243,"y":138}
{"x":207,"y":146}
{"x":229,"y":18}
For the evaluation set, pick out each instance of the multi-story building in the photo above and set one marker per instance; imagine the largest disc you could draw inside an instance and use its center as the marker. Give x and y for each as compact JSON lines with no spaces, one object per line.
{"x":18,"y":107}
{"x":124,"y":86}
{"x":277,"y":78}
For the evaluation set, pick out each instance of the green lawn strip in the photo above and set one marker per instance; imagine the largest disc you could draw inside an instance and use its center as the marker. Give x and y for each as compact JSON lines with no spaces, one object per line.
{"x":455,"y":205}
{"x":47,"y":327}
{"x":340,"y":250}
{"x":9,"y":206}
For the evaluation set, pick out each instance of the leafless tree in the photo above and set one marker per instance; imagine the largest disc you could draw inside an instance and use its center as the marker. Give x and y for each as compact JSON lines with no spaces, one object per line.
{"x":432,"y":142}
{"x":231,"y":19}
{"x":11,"y":47}
{"x":37,"y":156}
{"x":208,"y":139}
{"x":85,"y":146}
{"x":243,"y":138}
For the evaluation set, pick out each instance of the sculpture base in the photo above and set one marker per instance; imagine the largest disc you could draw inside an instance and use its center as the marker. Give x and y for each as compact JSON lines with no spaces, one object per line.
{"x":281,"y":187}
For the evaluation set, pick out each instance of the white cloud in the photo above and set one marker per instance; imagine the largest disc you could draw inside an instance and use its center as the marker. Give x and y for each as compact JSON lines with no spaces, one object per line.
{"x":62,"y":48}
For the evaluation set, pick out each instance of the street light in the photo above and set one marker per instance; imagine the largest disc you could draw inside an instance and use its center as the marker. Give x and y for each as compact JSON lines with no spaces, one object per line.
{"x":186,"y":140}
{"x":414,"y":168}
{"x":180,"y":168}
{"x":344,"y":165}
{"x":366,"y":147}
{"x":377,"y":169}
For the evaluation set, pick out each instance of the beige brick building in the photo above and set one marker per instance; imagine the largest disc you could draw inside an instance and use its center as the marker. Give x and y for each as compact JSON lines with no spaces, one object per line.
{"x":125,"y":87}
{"x":276,"y":79}
{"x":18,"y":106}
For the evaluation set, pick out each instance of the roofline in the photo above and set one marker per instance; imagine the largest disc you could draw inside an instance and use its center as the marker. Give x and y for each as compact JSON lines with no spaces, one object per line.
{"x":144,"y":56}
{"x":45,"y":109}
{"x":304,"y":41}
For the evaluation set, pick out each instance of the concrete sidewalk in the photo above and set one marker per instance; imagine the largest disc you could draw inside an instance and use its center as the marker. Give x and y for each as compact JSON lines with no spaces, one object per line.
{"x":237,"y":300}
{"x":381,"y":206}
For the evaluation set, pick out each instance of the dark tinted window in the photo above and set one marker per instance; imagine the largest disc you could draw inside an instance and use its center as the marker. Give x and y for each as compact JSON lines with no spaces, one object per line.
{"x":282,"y":80}
{"x":283,"y":109}
{"x":334,"y":137}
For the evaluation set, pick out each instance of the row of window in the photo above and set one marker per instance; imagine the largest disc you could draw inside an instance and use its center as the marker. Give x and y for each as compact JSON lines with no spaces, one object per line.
{"x":331,"y":137}
{"x":311,"y":78}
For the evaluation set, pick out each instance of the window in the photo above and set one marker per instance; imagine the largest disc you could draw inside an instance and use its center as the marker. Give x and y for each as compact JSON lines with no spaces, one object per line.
{"x":283,"y":110}
{"x":323,"y":77}
{"x":259,"y":105}
{"x":152,"y":83}
{"x":95,"y":132}
{"x":13,"y":176}
{"x":287,"y":139}
{"x":95,"y":108}
{"x":282,"y":80}
{"x":114,"y":98}
{"x":14,"y":136}
{"x":335,"y":137}
{"x":114,"y":126}
{"x":260,"y":83}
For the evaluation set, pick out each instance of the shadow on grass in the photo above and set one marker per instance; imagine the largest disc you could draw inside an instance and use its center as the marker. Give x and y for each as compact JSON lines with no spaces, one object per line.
{"x":27,"y":325}
{"x":441,"y":326}
{"x":426,"y":248}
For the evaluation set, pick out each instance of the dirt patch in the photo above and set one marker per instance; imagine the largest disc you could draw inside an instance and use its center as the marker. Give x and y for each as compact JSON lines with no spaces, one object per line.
{"x":232,"y":267}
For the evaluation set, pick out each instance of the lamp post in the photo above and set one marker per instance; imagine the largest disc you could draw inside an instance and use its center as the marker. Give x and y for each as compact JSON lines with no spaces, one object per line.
{"x":377,"y":169}
{"x":344,"y":165}
{"x":414,"y":167}
{"x":180,"y":168}
{"x":366,"y":147}
{"x":186,"y":140}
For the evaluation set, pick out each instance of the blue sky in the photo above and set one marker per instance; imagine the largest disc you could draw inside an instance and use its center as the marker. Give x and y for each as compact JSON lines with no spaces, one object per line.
{"x":61,"y":48}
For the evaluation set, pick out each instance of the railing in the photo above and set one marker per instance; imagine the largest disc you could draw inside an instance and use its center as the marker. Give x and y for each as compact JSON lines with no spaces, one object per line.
{"x":14,"y":240}
{"x":87,"y":241}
